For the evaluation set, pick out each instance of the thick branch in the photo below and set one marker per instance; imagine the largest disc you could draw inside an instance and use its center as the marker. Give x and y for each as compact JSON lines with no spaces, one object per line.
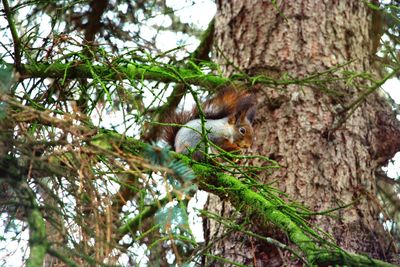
{"x":94,"y":19}
{"x":38,"y":244}
{"x":245,"y":199}
{"x":130,"y":71}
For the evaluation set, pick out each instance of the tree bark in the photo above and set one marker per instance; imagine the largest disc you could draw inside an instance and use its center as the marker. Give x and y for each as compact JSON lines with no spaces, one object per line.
{"x":325,"y":163}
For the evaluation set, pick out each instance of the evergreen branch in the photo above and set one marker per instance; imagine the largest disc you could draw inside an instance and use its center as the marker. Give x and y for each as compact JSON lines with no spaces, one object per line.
{"x":130,"y":71}
{"x":360,"y":99}
{"x":165,"y":73}
{"x":62,"y":257}
{"x":245,"y":199}
{"x":132,"y":225}
{"x":14,"y":34}
{"x":37,"y":230}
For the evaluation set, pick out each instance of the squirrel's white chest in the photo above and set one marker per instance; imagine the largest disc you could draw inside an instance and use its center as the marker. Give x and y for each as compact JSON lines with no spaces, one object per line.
{"x":190,"y":134}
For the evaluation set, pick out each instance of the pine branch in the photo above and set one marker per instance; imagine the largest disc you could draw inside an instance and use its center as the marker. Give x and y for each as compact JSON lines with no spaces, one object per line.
{"x":38,"y":244}
{"x":256,"y":206}
{"x":133,"y":224}
{"x":129,"y":71}
{"x":14,"y":33}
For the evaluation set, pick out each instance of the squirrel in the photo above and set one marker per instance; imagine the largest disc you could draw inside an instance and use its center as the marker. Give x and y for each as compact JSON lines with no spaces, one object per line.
{"x":228,"y":122}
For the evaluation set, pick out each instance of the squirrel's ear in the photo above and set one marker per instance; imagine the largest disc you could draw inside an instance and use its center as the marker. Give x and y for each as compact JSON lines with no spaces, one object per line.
{"x":251,"y":114}
{"x":232,"y":119}
{"x":244,"y":115}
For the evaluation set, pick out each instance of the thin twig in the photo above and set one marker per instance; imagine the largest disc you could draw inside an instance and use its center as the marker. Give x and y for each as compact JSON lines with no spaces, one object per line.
{"x":356,"y":103}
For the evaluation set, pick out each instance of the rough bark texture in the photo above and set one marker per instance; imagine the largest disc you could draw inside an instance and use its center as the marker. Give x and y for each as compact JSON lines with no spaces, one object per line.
{"x":320,"y":167}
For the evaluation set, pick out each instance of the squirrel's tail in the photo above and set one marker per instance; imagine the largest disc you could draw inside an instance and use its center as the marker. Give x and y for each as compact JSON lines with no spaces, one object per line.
{"x":227,"y":102}
{"x":176,"y":120}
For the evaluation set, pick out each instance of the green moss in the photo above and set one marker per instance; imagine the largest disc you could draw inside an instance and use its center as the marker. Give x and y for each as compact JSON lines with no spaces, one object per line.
{"x":37,"y":239}
{"x":162,"y":73}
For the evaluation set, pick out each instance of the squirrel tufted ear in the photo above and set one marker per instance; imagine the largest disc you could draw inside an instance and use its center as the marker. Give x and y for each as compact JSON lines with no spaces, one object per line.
{"x":243,"y":115}
{"x":251,"y":114}
{"x":232,"y":119}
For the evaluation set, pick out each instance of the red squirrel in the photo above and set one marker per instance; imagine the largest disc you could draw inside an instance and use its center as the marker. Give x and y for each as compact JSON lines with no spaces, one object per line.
{"x":228,"y":122}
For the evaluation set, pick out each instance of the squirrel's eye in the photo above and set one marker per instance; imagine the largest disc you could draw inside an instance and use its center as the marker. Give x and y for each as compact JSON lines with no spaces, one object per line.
{"x":242,"y":130}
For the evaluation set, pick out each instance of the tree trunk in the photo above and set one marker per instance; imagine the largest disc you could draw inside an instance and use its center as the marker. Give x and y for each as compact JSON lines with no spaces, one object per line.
{"x":325,"y":163}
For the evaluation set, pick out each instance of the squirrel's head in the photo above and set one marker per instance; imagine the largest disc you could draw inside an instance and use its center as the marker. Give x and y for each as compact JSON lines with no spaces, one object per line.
{"x":242,"y":121}
{"x":244,"y":136}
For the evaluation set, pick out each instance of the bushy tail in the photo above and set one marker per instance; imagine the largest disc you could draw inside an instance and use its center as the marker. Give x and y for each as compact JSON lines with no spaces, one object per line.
{"x":175,"y":119}
{"x":227,"y":102}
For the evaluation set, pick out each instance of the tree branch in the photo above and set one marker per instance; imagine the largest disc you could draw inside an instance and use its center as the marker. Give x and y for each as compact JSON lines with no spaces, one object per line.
{"x":38,"y":244}
{"x":133,"y":224}
{"x":129,"y":71}
{"x":94,"y":19}
{"x":245,"y":199}
{"x":13,"y":29}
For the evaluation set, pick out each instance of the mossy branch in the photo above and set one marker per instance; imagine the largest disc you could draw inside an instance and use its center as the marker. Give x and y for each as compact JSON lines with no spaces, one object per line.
{"x":165,"y":73}
{"x":38,"y":244}
{"x":16,"y":175}
{"x":342,"y":258}
{"x":14,"y":34}
{"x":129,"y":71}
{"x":245,"y":199}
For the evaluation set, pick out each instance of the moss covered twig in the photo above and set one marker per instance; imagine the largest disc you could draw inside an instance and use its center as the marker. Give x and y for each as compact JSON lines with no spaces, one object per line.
{"x":38,"y":244}
{"x":160,"y":72}
{"x":244,"y":198}
{"x":343,"y":258}
{"x":129,"y":71}
{"x":14,"y":34}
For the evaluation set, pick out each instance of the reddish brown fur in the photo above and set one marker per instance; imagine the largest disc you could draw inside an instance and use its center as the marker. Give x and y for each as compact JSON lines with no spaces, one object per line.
{"x":228,"y":101}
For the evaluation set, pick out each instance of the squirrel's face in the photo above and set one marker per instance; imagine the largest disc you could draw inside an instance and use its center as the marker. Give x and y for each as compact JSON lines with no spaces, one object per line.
{"x":244,"y":135}
{"x":243,"y":121}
